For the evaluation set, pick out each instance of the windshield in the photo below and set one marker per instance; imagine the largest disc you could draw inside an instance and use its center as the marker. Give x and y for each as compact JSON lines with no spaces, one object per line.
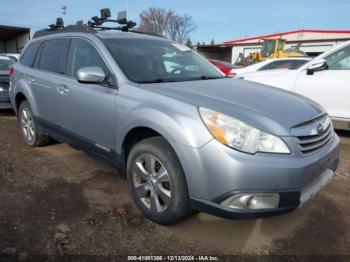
{"x":5,"y":64}
{"x":152,"y":61}
{"x":268,"y":47}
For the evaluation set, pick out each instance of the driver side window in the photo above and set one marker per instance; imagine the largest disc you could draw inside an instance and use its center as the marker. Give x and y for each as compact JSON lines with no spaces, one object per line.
{"x":83,"y":54}
{"x":340,"y":60}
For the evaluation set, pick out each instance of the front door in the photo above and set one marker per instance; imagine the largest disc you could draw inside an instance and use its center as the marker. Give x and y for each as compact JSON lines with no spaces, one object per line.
{"x":331,"y":87}
{"x":87,"y":111}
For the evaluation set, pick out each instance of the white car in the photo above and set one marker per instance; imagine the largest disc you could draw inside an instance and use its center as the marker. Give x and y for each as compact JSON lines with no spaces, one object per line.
{"x":13,"y":56}
{"x":325,"y":79}
{"x":291,"y":63}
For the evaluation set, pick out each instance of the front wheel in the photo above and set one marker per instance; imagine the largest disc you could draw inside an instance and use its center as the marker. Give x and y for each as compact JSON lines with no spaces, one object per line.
{"x":157,"y":181}
{"x":29,"y":128}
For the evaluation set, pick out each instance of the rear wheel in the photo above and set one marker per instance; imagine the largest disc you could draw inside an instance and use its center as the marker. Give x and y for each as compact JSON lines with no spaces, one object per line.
{"x":29,"y":128}
{"x":157,"y":181}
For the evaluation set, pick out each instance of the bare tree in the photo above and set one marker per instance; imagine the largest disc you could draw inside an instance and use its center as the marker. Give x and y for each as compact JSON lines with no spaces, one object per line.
{"x":177,"y":28}
{"x":154,"y":20}
{"x":186,"y":27}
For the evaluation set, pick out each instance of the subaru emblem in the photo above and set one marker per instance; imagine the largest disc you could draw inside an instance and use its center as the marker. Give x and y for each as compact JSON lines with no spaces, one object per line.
{"x":320,"y":129}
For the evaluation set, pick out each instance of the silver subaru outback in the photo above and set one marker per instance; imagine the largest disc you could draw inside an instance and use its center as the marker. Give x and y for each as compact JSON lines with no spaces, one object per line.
{"x":185,"y":137}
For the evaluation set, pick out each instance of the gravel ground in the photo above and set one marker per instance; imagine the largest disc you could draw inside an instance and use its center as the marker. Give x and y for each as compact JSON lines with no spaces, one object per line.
{"x":57,"y":201}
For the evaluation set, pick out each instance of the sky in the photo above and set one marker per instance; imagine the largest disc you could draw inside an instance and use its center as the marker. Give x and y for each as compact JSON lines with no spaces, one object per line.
{"x":221,"y":20}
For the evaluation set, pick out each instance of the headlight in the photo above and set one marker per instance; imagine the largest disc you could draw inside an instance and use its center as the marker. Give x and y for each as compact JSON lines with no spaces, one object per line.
{"x":2,"y":89}
{"x":240,"y":136}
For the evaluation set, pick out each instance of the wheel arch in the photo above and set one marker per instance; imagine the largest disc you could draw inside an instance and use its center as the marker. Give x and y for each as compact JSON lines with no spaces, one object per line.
{"x":23,"y":92}
{"x":136,"y":135}
{"x":140,"y":132}
{"x":19,"y":98}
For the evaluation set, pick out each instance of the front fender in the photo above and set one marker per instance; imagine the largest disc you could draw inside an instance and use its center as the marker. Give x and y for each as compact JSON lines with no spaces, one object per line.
{"x":183,"y":129}
{"x":176,"y":128}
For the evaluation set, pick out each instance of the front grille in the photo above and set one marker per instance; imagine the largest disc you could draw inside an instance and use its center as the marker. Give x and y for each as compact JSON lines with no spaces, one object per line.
{"x":313,"y":143}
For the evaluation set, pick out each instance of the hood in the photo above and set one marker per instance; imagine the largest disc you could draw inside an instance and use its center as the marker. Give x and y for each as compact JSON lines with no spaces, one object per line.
{"x":270,"y":109}
{"x":267,"y":73}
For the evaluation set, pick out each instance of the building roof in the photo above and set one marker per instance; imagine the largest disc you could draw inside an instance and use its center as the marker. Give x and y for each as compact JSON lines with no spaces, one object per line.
{"x":297,"y":35}
{"x":9,"y":32}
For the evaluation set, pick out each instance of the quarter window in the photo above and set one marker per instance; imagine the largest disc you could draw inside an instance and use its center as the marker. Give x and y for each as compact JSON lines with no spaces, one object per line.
{"x":83,"y":54}
{"x":29,"y":54}
{"x":52,"y":55}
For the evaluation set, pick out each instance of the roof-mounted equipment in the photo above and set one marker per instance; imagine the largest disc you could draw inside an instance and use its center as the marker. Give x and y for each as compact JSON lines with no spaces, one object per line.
{"x":93,"y":26}
{"x":97,"y":22}
{"x":59,"y":24}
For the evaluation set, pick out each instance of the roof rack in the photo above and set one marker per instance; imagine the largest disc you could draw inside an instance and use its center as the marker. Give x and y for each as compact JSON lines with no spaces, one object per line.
{"x":71,"y":28}
{"x":93,"y":26}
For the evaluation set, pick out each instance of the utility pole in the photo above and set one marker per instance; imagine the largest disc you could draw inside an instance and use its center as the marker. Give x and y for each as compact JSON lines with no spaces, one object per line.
{"x":64,"y":12}
{"x":301,"y":27}
{"x":127,"y":10}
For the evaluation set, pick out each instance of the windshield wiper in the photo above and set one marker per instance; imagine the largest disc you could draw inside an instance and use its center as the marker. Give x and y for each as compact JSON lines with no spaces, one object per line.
{"x":158,"y":80}
{"x":205,"y":77}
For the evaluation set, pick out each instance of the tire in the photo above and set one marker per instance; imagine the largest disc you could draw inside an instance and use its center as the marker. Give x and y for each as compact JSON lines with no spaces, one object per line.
{"x":150,"y":190}
{"x":29,"y":128}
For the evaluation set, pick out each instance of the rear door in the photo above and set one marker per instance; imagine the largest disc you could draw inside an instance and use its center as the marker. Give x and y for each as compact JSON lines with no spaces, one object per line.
{"x":87,"y":111}
{"x":47,"y":73}
{"x":330,"y":88}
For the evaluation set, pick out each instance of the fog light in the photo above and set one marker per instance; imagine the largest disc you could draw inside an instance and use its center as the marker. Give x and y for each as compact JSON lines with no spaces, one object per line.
{"x":252,"y":201}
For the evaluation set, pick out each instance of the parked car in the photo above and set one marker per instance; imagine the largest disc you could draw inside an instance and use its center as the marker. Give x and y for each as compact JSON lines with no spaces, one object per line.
{"x":291,"y":63}
{"x":325,"y":79}
{"x":5,"y":65}
{"x":186,"y":136}
{"x":225,"y":67}
{"x":13,"y":56}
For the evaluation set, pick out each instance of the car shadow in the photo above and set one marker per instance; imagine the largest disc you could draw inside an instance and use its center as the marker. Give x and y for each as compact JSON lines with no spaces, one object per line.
{"x":305,"y":231}
{"x":7,"y":112}
{"x":343,"y":133}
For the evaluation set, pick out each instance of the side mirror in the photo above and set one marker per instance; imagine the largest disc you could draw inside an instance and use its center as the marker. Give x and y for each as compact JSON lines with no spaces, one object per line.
{"x":91,"y":75}
{"x":316,"y":65}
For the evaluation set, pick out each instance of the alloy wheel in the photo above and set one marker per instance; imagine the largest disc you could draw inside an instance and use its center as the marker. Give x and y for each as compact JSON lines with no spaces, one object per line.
{"x":152,"y":183}
{"x":27,"y":125}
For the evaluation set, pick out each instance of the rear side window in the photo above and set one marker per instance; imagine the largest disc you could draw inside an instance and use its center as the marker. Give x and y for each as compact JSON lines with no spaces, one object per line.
{"x":29,"y":54}
{"x":52,"y":55}
{"x":83,"y":54}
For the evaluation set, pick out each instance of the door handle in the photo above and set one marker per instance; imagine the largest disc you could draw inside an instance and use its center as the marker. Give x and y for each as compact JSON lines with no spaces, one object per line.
{"x":63,"y":89}
{"x":30,"y":79}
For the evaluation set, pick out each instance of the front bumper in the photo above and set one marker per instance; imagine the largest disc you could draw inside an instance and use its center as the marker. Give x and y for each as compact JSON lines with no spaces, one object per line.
{"x":288,"y":202}
{"x":215,"y":172}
